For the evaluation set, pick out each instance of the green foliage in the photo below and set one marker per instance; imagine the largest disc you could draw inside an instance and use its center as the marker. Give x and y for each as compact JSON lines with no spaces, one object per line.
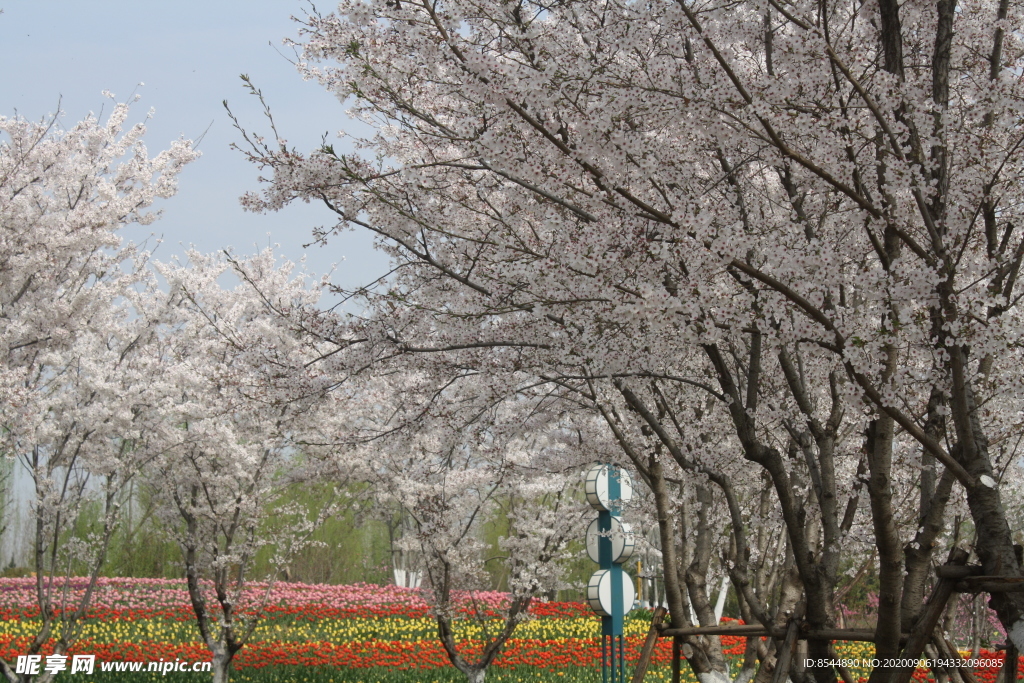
{"x":141,"y":547}
{"x":353,"y":546}
{"x":350,"y":547}
{"x":495,"y":528}
{"x":578,"y":571}
{"x":857,"y":585}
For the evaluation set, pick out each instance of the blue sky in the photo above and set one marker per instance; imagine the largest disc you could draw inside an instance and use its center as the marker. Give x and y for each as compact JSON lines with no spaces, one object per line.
{"x":189,"y":56}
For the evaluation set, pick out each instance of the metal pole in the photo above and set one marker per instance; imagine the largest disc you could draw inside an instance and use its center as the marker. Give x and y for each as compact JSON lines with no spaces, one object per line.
{"x":611,"y":627}
{"x":608,"y":486}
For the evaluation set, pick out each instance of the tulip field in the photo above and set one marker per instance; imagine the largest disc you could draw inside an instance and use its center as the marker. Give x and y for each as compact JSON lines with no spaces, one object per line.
{"x":340,"y":634}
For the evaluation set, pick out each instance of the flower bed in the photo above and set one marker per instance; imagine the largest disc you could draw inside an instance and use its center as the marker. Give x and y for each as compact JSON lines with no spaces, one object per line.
{"x":353,"y":633}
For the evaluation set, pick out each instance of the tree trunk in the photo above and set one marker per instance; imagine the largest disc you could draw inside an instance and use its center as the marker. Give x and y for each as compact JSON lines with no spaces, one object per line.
{"x":475,"y":675}
{"x":995,"y":548}
{"x":789,"y":605}
{"x":977,"y":620}
{"x":723,"y":594}
{"x":714,"y":677}
{"x":939,"y":672}
{"x":221,"y":665}
{"x":673,"y":594}
{"x":696,"y":583}
{"x":878,"y":444}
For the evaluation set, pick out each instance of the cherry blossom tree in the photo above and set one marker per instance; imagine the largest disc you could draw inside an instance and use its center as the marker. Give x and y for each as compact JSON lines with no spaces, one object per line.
{"x":455,"y":458}
{"x":800,"y":216}
{"x":248,"y":414}
{"x":77,"y":373}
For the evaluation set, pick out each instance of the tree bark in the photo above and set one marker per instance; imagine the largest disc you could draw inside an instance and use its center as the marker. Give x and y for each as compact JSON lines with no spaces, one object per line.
{"x":878,"y":444}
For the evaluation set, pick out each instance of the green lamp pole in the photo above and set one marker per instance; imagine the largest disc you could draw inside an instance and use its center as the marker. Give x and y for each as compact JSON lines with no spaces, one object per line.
{"x":609,"y":593}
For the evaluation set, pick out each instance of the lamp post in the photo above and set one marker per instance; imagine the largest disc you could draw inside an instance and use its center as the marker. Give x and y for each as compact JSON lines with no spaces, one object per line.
{"x":610,"y":543}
